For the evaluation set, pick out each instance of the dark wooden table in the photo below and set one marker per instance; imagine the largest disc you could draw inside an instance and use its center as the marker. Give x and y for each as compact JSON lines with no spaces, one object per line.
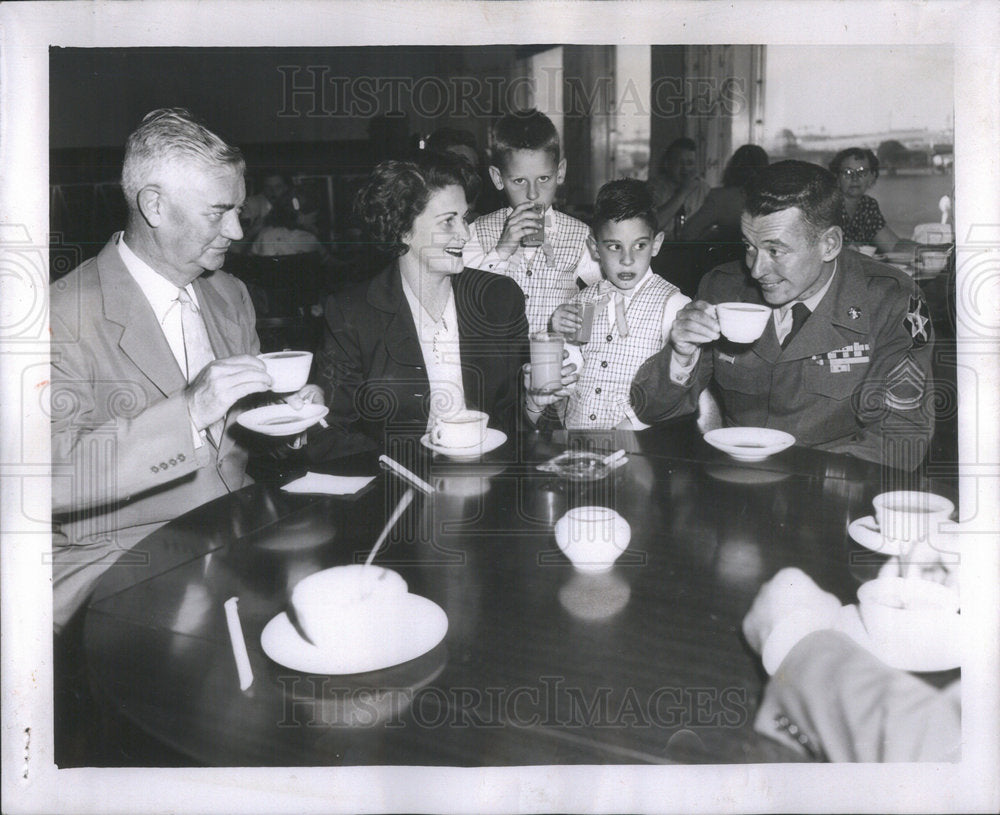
{"x":541,"y":664}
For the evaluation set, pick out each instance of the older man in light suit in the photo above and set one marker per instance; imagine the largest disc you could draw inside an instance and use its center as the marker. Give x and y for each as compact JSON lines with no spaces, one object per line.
{"x":153,"y":348}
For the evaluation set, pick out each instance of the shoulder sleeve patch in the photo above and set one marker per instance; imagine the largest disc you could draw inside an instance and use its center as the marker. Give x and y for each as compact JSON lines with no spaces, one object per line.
{"x":917,"y":320}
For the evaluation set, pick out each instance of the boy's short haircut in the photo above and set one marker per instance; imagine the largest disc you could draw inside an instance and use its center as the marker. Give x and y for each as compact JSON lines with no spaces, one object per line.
{"x":622,"y":200}
{"x":523,"y":130}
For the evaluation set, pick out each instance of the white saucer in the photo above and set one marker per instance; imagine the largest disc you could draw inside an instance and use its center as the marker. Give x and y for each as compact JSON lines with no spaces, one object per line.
{"x":866,"y":532}
{"x":400,"y":628}
{"x":494,"y":438}
{"x":749,"y":443}
{"x":283,"y":419}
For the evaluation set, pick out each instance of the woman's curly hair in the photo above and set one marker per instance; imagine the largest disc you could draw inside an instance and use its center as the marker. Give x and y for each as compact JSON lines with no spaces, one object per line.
{"x":398,"y":191}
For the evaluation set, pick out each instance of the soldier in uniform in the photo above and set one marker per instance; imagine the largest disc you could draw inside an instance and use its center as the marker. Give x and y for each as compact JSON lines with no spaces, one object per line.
{"x":844,"y":364}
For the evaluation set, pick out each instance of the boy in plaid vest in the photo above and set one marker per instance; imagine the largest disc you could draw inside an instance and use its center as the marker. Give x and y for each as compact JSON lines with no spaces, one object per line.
{"x":528,"y":168}
{"x":633,"y":309}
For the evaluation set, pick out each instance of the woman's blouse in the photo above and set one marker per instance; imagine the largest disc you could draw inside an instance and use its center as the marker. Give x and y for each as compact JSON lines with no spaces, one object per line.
{"x":865,"y":224}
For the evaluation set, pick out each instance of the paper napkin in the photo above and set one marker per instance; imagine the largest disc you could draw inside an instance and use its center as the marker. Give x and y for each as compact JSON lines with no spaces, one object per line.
{"x":329,"y":484}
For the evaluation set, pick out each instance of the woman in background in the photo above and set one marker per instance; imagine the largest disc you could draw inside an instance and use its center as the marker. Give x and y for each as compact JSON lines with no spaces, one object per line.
{"x":856,"y":169}
{"x":718,"y":219}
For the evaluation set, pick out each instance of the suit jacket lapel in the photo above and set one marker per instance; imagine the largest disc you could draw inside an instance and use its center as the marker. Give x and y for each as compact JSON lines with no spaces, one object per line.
{"x":142,"y":339}
{"x":468,"y":308}
{"x":225,"y":335}
{"x":400,"y":336}
{"x":223,"y":331}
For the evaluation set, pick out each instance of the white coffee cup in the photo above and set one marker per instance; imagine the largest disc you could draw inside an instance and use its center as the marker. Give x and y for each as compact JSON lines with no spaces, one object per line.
{"x":324,"y":599}
{"x":909,"y":618}
{"x":593,"y":538}
{"x":467,"y":428}
{"x":908,"y":515}
{"x":742,"y":322}
{"x":289,"y":370}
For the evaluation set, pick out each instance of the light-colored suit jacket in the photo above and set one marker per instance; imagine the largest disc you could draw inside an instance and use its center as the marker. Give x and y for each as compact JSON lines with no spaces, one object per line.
{"x":835,"y":701}
{"x":123,"y":452}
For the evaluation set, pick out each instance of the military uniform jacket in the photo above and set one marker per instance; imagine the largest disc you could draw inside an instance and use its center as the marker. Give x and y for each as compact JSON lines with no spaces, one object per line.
{"x":546,"y":285}
{"x":855,"y":379}
{"x":123,"y":454}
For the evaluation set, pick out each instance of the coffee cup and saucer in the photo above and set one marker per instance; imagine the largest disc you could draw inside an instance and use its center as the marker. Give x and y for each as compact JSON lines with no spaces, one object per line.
{"x":463,"y":436}
{"x":903,"y":520}
{"x":289,"y":372}
{"x":353,"y":619}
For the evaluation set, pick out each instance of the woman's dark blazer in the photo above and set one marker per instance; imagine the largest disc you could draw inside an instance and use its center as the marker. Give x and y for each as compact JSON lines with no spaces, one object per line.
{"x":372,"y":369}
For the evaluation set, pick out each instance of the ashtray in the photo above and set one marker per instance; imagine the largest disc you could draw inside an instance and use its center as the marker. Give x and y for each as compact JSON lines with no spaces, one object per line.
{"x":578,"y":465}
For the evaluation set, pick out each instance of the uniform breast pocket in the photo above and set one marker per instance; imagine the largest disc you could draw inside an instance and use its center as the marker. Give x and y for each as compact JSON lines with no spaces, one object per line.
{"x":826,"y":380}
{"x":740,"y":377}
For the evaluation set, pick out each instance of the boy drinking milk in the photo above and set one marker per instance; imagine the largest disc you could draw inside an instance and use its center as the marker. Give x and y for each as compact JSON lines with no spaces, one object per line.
{"x":630,"y":311}
{"x":543,"y":250}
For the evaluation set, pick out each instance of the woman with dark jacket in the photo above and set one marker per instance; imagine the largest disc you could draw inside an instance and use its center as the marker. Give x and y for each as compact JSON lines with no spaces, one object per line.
{"x":426,"y":337}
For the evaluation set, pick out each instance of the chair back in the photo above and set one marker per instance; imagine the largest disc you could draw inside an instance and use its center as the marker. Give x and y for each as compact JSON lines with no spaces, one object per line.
{"x":934,"y":233}
{"x":283,"y":290}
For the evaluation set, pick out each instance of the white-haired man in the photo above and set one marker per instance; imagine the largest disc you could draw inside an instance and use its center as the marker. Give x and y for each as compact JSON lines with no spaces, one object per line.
{"x":152,"y":347}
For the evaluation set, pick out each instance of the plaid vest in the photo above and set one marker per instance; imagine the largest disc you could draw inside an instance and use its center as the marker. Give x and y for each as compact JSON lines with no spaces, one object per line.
{"x":601,"y":396}
{"x":545,"y":286}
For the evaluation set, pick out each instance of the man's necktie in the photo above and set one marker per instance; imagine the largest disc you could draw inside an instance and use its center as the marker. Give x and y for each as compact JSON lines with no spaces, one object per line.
{"x":197,"y":347}
{"x":800,"y":313}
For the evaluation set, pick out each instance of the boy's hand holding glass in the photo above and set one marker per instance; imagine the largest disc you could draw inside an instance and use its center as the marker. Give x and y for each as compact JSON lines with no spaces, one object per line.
{"x":567,"y":319}
{"x":527,"y":218}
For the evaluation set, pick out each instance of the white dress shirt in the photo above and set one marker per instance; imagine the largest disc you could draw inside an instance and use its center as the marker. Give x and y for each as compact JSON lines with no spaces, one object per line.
{"x":440,"y":348}
{"x":161,"y":295}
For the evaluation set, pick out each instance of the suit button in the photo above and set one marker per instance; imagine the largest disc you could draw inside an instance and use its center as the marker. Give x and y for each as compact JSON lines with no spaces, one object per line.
{"x":163,"y":465}
{"x":597,"y":390}
{"x":604,"y":364}
{"x":155,"y":469}
{"x":180,"y":457}
{"x":173,"y":462}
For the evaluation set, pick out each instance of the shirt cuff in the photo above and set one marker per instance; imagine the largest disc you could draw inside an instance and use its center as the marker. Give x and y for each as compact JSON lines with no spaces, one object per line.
{"x":787,"y":634}
{"x":490,"y":262}
{"x":681,"y":374}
